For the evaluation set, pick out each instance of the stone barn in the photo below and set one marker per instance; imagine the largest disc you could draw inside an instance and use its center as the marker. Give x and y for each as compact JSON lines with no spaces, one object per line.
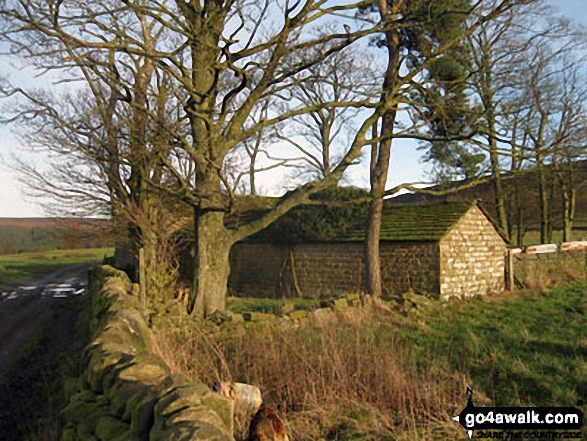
{"x":444,"y":249}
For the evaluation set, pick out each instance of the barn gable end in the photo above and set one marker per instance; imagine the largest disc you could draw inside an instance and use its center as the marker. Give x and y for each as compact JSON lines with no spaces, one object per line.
{"x":472,"y":257}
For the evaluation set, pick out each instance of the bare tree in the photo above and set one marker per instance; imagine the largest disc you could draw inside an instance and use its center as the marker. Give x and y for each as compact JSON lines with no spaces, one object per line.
{"x":320,"y":136}
{"x":222,"y":58}
{"x":200,"y":47}
{"x":106,"y":143}
{"x":552,"y":118}
{"x":570,"y":144}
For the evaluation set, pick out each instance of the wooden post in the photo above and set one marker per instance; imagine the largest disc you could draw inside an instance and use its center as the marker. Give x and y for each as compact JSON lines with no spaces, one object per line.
{"x":142,"y":278}
{"x":510,"y":283}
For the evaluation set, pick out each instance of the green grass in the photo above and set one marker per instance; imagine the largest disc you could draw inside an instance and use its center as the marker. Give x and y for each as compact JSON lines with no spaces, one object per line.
{"x":14,"y":267}
{"x":532,"y":237}
{"x":273,"y":306}
{"x":521,"y":348}
{"x":525,"y":348}
{"x":402,"y":372}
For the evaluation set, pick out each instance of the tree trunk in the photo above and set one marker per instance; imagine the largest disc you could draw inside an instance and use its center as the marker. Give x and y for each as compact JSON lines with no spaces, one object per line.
{"x":569,"y":200}
{"x":499,"y":194}
{"x":211,"y":265}
{"x":543,"y":195}
{"x":372,"y":257}
{"x":488,"y":99}
{"x":379,"y":167}
{"x":550,"y":194}
{"x":520,"y":224}
{"x":253,"y":190}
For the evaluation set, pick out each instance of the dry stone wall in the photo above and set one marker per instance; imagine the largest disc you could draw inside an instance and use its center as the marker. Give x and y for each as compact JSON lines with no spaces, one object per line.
{"x":473,"y":258}
{"x":127,"y":392}
{"x":540,"y":270}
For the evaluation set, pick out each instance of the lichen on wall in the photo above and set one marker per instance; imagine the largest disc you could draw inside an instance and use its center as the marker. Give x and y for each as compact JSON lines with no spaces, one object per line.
{"x":127,"y":392}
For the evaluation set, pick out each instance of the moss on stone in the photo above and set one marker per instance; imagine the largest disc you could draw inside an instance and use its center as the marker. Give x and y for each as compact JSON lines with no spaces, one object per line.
{"x":180,"y":398}
{"x":128,"y":381}
{"x":346,"y":223}
{"x":222,"y":406}
{"x":69,"y":433}
{"x":84,"y":432}
{"x":109,"y":428}
{"x":189,"y":431}
{"x":78,"y":411}
{"x":147,"y":368}
{"x":85,"y":396}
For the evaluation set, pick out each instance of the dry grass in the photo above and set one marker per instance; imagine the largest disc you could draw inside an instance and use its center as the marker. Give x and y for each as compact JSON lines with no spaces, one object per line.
{"x":353,"y":378}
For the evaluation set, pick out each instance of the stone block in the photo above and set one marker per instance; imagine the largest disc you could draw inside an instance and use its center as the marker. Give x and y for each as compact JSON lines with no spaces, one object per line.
{"x":85,"y":396}
{"x":340,"y":304}
{"x":146,"y":368}
{"x":351,"y":297}
{"x":84,"y":432}
{"x":78,"y":411}
{"x":322,"y":315}
{"x":258,"y":317}
{"x":222,"y":406}
{"x":189,"y":432}
{"x":296,"y":315}
{"x":73,"y":386}
{"x":235,"y":318}
{"x":120,"y":394}
{"x":69,"y":433}
{"x":287,"y":308}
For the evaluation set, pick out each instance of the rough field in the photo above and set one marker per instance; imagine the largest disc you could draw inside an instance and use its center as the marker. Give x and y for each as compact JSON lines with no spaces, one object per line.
{"x":402,"y":373}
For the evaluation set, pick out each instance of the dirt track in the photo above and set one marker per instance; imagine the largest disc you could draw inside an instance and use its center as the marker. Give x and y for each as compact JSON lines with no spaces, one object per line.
{"x":21,"y":317}
{"x":49,"y":320}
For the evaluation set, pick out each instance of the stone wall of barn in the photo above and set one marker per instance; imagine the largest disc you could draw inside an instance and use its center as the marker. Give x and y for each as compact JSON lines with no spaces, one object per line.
{"x":473,"y":258}
{"x":321,"y":270}
{"x":257,"y":270}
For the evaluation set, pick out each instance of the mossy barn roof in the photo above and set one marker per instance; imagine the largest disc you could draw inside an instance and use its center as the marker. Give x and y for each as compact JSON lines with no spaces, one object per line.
{"x":346,"y":223}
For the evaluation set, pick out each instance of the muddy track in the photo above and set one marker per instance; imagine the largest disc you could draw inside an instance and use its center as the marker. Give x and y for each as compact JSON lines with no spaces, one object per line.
{"x":40,"y":323}
{"x":21,"y":317}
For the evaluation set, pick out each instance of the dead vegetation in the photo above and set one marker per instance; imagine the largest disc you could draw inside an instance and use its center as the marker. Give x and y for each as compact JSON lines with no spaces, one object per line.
{"x":354,"y":378}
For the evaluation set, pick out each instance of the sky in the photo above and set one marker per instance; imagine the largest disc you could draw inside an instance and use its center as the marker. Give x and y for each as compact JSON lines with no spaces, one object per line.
{"x":406,"y":163}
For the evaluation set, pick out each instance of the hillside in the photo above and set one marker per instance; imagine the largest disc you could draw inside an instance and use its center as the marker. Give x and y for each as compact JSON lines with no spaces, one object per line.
{"x":528,"y":204}
{"x":18,"y":235}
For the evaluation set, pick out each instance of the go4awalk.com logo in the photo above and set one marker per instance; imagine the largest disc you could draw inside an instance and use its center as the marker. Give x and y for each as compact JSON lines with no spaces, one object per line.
{"x":514,"y":422}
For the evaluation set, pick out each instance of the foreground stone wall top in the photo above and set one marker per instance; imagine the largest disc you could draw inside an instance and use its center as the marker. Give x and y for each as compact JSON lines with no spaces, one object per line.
{"x":127,"y":392}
